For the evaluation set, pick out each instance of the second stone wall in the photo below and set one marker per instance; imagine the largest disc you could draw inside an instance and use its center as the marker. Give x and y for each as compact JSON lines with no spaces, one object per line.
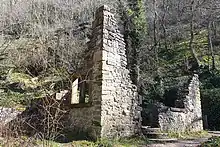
{"x":187,"y":119}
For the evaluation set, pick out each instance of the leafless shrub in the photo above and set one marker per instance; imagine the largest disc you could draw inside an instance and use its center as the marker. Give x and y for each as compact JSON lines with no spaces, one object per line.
{"x":33,"y":26}
{"x":44,"y":120}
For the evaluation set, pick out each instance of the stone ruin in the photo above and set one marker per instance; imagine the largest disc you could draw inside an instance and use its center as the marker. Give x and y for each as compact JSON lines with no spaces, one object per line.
{"x":188,"y":118}
{"x":108,"y":104}
{"x":104,"y":101}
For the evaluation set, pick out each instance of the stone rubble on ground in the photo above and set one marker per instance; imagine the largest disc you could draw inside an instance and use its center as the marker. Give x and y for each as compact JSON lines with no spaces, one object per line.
{"x":8,"y":114}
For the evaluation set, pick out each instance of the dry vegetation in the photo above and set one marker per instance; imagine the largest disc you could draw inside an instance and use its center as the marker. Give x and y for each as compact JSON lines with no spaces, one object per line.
{"x":37,"y":34}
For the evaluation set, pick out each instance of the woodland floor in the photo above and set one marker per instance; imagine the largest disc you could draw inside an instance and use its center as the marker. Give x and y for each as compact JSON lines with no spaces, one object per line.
{"x":181,"y":143}
{"x":187,"y":143}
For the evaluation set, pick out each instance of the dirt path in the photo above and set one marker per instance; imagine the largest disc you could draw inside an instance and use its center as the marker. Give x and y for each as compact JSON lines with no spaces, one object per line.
{"x":181,"y":143}
{"x":187,"y":143}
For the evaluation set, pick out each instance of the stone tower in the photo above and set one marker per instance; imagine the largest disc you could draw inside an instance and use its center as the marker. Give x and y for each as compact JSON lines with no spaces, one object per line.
{"x":113,"y":109}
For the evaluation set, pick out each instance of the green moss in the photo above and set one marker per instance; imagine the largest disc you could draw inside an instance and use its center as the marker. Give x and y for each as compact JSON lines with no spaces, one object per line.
{"x":14,"y":99}
{"x":27,"y":80}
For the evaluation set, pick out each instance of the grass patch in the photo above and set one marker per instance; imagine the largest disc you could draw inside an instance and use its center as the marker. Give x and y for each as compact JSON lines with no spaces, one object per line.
{"x":14,"y":99}
{"x":126,"y":142}
{"x":188,"y":135}
{"x":212,"y":142}
{"x":27,"y":80}
{"x":48,"y":143}
{"x":129,"y":142}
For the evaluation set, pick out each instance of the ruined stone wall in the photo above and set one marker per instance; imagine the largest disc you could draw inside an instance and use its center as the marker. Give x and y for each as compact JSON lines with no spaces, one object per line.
{"x":114,"y":110}
{"x":187,"y":119}
{"x":121,"y":114}
{"x":84,"y":121}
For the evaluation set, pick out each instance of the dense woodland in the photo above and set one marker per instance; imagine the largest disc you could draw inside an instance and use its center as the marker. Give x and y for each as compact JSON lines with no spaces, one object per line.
{"x":42,"y":43}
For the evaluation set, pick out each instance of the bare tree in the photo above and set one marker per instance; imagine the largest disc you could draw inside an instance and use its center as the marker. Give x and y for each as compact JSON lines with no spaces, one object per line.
{"x":191,"y":47}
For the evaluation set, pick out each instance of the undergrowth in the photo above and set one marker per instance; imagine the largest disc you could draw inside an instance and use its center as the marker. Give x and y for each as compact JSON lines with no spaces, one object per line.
{"x":188,"y":134}
{"x":212,"y":142}
{"x":125,"y":142}
{"x":131,"y":142}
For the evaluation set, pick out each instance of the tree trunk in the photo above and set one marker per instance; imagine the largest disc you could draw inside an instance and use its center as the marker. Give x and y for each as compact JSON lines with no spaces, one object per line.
{"x":164,"y":25}
{"x":192,"y":35}
{"x":210,"y":46}
{"x":155,"y":31}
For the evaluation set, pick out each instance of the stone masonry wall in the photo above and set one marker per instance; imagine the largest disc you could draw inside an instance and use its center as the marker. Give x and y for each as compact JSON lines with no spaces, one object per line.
{"x":187,"y":119}
{"x":114,"y":110}
{"x":121,"y":113}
